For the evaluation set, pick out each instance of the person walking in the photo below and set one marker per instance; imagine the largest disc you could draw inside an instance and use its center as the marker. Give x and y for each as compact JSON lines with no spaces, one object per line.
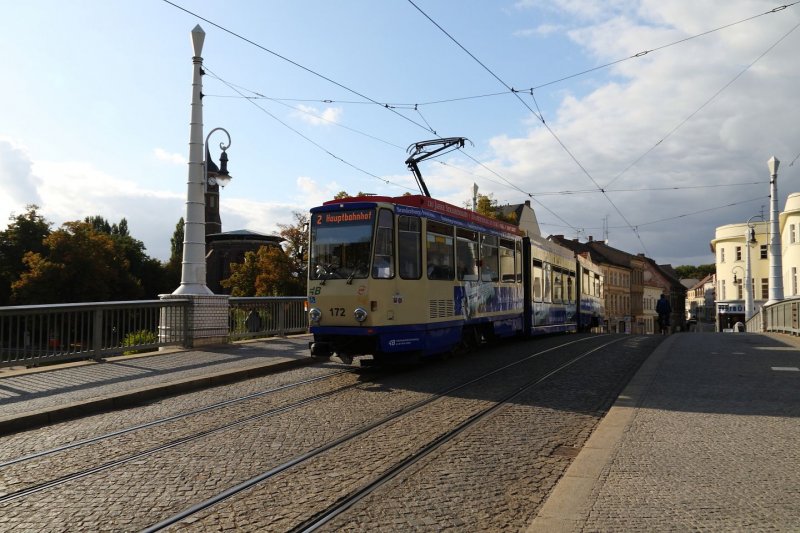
{"x":664,"y":309}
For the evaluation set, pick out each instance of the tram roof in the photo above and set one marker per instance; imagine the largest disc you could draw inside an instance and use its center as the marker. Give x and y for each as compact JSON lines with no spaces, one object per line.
{"x":437,"y":206}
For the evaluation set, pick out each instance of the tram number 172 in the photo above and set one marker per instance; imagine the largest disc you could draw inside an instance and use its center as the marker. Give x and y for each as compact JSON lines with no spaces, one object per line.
{"x":337,"y":311}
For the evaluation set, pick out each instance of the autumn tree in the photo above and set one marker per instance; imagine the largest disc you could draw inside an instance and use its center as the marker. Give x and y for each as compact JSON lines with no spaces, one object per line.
{"x":487,"y":206}
{"x":152,"y":275}
{"x":25,"y":233}
{"x":296,"y":239}
{"x":266,"y":272}
{"x":77,"y":264}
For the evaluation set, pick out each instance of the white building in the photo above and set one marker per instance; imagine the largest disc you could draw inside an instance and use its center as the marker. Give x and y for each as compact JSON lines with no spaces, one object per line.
{"x":730,"y":253}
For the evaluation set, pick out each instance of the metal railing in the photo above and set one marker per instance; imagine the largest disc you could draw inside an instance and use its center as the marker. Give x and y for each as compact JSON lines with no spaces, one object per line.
{"x":34,"y":334}
{"x":31,"y":335}
{"x":266,"y":316}
{"x":780,"y":317}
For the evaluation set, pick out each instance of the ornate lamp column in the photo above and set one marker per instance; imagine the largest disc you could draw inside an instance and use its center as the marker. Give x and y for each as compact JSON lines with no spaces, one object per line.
{"x":204,"y":319}
{"x":775,"y":260}
{"x":193,"y":266}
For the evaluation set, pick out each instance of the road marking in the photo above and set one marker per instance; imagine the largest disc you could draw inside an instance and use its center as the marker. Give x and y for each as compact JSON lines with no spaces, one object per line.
{"x":786,"y":368}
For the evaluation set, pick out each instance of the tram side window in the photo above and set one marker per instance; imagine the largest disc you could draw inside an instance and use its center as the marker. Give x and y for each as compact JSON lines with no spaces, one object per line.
{"x":383,"y":263}
{"x":558,"y":285}
{"x":506,"y":261}
{"x":409,"y":247}
{"x":467,"y":254}
{"x":439,"y":249}
{"x":548,"y":281}
{"x":489,"y":258}
{"x":570,"y":296}
{"x":518,"y":263}
{"x":537,"y":281}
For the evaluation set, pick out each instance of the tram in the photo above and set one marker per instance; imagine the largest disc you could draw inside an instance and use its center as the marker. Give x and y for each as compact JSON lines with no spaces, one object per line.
{"x":413,"y":276}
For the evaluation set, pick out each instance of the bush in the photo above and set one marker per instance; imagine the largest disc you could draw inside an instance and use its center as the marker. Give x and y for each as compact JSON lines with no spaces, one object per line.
{"x":137,"y":338}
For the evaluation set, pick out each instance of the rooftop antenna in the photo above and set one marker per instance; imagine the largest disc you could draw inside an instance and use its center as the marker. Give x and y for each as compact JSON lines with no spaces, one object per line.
{"x":420,"y":151}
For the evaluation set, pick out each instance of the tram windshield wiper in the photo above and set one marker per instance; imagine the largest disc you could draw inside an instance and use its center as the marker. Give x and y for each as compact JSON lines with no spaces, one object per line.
{"x":352,"y":275}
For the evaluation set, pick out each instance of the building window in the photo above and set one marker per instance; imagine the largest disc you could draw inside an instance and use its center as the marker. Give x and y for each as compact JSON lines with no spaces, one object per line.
{"x":739,"y":292}
{"x":792,"y":235}
{"x":722,"y":255}
{"x":794,"y":280}
{"x":738,"y":253}
{"x":722,"y":289}
{"x":765,"y":288}
{"x":763,"y":251}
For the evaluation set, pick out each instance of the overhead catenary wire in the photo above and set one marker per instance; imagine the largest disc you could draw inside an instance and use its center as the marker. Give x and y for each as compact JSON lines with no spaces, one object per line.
{"x":667,"y":219}
{"x":410,"y":105}
{"x":704,"y":104}
{"x":537,"y":115}
{"x":313,"y":142}
{"x":295,"y":63}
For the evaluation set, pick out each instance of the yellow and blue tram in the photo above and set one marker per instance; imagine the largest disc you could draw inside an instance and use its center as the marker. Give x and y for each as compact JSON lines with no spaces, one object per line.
{"x":414,"y":275}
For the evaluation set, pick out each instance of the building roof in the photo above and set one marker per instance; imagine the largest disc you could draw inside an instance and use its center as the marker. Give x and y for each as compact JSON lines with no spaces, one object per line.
{"x":244,"y":235}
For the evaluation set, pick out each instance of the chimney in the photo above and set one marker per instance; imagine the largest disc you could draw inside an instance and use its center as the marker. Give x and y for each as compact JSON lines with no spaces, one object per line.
{"x":528,"y":203}
{"x":591,"y":238}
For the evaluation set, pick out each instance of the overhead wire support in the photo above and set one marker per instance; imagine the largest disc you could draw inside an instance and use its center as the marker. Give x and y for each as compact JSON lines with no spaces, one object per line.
{"x":421,"y":152}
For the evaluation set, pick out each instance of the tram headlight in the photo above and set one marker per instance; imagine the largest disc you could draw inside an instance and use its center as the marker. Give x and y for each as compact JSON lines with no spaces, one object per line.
{"x":314,"y":314}
{"x":360,"y":314}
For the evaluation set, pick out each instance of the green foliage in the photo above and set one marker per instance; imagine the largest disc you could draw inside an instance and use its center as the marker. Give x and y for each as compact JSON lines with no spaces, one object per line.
{"x":78,"y":264}
{"x":137,"y":338}
{"x":296,"y":246}
{"x":696,"y":272}
{"x":25,"y":233}
{"x":487,"y":206}
{"x":267,"y":272}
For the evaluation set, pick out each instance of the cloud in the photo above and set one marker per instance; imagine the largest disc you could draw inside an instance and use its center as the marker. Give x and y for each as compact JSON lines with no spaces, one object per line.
{"x":163,"y":155}
{"x":315,"y":117}
{"x":677,"y":119}
{"x":543,"y":30}
{"x":17,"y":181}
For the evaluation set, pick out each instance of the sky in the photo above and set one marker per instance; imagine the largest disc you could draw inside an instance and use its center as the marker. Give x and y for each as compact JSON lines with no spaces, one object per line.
{"x":559,"y":101}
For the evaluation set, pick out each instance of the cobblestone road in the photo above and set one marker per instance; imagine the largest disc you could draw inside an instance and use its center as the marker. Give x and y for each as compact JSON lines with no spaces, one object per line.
{"x":492,"y":477}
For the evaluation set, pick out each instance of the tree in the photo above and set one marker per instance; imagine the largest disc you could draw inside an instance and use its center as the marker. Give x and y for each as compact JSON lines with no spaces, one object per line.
{"x":266,"y":272}
{"x":297,"y":247}
{"x":153,"y":277}
{"x":487,"y":206}
{"x":173,"y":266}
{"x":696,"y":272}
{"x":25,"y":233}
{"x":78,"y":264}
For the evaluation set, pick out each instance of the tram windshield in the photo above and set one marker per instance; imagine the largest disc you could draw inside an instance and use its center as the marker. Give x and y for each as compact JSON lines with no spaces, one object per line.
{"x":340,"y":244}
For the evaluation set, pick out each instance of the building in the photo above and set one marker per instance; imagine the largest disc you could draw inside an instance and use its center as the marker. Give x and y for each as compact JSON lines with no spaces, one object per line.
{"x":730,"y":253}
{"x":224,"y":248}
{"x":700,"y":300}
{"x":523,"y":216}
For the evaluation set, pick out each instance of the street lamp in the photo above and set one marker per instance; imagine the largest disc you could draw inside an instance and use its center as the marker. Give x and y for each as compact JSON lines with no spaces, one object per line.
{"x":217,"y":175}
{"x":749,"y":238}
{"x":775,"y":262}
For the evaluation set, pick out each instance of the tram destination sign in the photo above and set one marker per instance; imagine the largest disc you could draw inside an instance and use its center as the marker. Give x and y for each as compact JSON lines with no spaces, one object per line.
{"x":344,"y":218}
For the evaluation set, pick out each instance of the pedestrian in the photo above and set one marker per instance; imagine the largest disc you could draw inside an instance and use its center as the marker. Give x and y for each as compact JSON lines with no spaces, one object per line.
{"x":664,"y":309}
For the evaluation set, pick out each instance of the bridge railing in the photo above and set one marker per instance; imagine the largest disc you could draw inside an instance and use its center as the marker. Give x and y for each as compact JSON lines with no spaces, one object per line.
{"x":31,"y":335}
{"x":266,"y":316}
{"x":780,"y":317}
{"x":34,"y":334}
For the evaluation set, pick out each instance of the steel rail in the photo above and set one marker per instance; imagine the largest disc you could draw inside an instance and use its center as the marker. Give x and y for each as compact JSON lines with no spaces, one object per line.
{"x":322,"y":518}
{"x":172,"y":444}
{"x":231,"y":491}
{"x":225,"y":403}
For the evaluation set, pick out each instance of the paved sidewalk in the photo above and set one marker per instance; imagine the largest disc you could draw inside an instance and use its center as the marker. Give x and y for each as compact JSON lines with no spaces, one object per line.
{"x":32,"y":397}
{"x":704,"y":438}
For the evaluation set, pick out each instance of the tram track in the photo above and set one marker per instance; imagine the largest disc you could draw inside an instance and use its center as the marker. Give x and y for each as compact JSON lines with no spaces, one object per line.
{"x":322,"y":517}
{"x":34,"y":487}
